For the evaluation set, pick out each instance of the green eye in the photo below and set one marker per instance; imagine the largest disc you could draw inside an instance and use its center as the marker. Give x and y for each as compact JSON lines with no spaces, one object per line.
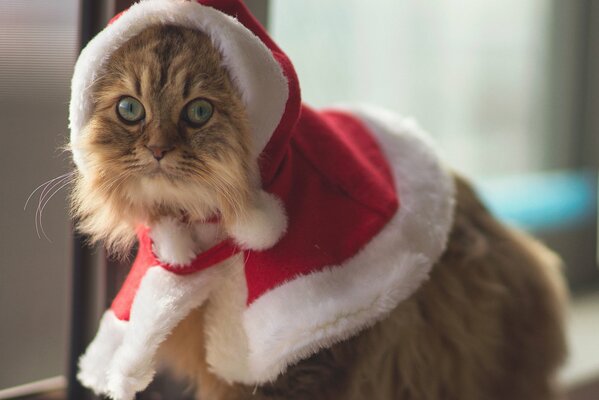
{"x":130,"y":110}
{"x":198,"y":111}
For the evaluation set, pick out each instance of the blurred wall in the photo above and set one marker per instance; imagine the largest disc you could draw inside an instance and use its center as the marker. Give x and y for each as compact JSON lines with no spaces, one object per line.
{"x":38,"y":44}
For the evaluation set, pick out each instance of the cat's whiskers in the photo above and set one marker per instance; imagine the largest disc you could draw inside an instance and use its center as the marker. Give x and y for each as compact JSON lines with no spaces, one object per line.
{"x":48,"y":184}
{"x":119,"y":182}
{"x":232,"y":199}
{"x":109,"y":186}
{"x":45,"y":184}
{"x":48,"y":191}
{"x":49,"y":197}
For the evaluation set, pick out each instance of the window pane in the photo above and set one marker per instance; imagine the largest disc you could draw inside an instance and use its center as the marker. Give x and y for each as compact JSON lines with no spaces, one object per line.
{"x":475,"y":74}
{"x":500,"y":84}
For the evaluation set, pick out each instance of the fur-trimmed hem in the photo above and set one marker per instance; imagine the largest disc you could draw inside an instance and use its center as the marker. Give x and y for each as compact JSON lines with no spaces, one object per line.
{"x":92,"y":364}
{"x":120,"y":360}
{"x":314,"y":311}
{"x":163,"y":300}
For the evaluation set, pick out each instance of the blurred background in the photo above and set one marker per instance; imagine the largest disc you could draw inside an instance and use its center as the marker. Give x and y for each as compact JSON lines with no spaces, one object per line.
{"x":506,"y":87}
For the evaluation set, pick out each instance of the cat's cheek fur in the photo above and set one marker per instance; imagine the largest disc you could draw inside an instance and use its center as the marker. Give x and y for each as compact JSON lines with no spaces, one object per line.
{"x":263,"y":224}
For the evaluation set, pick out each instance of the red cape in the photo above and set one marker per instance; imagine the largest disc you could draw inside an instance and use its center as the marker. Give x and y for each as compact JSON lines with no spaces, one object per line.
{"x":345,"y":254}
{"x":330,"y":216}
{"x":335,"y":184}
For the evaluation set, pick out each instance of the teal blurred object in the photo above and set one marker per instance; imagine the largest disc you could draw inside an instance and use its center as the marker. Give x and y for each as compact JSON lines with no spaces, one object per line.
{"x":543,"y":201}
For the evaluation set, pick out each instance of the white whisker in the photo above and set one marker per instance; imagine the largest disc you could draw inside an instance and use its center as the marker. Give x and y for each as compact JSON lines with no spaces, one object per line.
{"x":44,"y":206}
{"x":48,"y":188}
{"x":40,"y":186}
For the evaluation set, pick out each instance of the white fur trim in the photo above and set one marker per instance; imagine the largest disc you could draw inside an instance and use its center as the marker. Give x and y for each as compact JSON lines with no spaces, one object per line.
{"x":263,"y":225}
{"x":314,"y":311}
{"x":254,"y":71}
{"x":173,"y":242}
{"x":162,"y":301}
{"x":93,"y":363}
{"x":225,"y":339}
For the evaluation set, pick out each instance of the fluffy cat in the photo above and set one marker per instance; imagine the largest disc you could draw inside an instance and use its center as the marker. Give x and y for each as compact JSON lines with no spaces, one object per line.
{"x":488,"y":324}
{"x":203,"y":169}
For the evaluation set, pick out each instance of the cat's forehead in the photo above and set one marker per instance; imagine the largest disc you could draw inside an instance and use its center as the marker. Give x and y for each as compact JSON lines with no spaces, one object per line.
{"x":167,"y":46}
{"x":164,"y":58}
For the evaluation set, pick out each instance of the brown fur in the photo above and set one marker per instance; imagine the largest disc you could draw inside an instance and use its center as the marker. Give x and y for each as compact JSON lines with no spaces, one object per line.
{"x":209,"y":170}
{"x":487,"y":325}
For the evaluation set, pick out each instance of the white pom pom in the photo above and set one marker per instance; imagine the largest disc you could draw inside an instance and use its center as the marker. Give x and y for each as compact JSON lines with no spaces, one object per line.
{"x":263,"y":226}
{"x":173,"y":242}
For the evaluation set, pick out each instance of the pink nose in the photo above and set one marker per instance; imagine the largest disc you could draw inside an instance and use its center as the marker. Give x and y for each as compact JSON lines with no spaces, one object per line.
{"x":158,"y":151}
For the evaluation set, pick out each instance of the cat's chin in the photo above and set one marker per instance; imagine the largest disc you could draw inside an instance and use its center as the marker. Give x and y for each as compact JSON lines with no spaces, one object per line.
{"x":159,"y":171}
{"x":159,"y":193}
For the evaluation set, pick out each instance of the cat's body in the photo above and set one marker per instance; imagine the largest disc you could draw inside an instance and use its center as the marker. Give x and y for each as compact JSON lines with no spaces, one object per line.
{"x":487,"y":324}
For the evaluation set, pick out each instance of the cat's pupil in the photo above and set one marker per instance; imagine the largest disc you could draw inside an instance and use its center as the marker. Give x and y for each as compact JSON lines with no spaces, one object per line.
{"x":130,"y":109}
{"x":199,"y":111}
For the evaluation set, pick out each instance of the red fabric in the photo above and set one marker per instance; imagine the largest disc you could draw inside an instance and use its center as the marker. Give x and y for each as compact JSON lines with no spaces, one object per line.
{"x":338,"y":193}
{"x":121,"y":305}
{"x":145,"y":259}
{"x":331,"y":175}
{"x":275,"y":150}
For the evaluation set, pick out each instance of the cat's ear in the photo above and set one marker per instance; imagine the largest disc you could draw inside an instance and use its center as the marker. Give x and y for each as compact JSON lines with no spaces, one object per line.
{"x":263,"y":225}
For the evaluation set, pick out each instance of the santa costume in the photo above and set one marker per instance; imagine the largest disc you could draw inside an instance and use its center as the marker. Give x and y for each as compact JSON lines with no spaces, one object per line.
{"x":354,"y":209}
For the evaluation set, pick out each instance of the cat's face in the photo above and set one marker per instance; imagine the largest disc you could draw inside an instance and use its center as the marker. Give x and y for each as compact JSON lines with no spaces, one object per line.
{"x":168,"y":135}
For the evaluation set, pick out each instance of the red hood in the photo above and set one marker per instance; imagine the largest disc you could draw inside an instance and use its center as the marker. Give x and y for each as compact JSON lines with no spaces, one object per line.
{"x":275,"y":150}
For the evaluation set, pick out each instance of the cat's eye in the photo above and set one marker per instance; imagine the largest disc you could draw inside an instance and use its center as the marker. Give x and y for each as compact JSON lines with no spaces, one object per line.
{"x":197,"y":112}
{"x":130,"y":110}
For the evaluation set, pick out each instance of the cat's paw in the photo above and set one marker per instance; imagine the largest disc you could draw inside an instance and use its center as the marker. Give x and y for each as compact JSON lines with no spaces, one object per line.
{"x":128,"y":375}
{"x":173,"y":242}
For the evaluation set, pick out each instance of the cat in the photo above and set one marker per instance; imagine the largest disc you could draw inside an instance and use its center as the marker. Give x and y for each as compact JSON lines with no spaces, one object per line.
{"x":198,"y":176}
{"x":488,"y":323}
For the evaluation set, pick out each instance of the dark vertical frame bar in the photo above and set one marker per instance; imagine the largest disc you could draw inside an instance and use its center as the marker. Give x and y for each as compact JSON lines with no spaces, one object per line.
{"x":592,"y":99}
{"x":81,"y":279}
{"x":85,"y":285}
{"x":572,"y":134}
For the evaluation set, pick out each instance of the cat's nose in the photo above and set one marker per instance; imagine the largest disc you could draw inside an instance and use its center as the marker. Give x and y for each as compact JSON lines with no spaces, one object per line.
{"x":159,"y":151}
